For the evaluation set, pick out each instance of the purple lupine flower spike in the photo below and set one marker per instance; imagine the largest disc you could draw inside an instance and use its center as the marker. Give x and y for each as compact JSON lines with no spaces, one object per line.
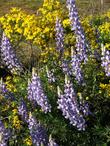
{"x":59,"y":37}
{"x":4,"y":135}
{"x":67,"y":103}
{"x":30,"y":91}
{"x":50,"y":75}
{"x":105,"y":60}
{"x":9,"y":57}
{"x":4,"y":91}
{"x":84,"y":106}
{"x":66,"y":68}
{"x":37,"y":132}
{"x":81,"y":43}
{"x":76,"y":67}
{"x":3,"y":88}
{"x":22,"y":110}
{"x":36,"y":93}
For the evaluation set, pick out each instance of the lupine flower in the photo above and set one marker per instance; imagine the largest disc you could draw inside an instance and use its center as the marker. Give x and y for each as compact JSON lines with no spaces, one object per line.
{"x":84,"y":106}
{"x":52,"y":142}
{"x":105,"y":60}
{"x":36,"y":93}
{"x":65,"y":67}
{"x":50,"y":75}
{"x":81,"y":44}
{"x":4,"y":135}
{"x":8,"y":56}
{"x":76,"y":67}
{"x":29,"y":90}
{"x":22,"y":110}
{"x":3,"y":88}
{"x":37,"y":132}
{"x":67,"y":103}
{"x":4,"y":91}
{"x":59,"y":36}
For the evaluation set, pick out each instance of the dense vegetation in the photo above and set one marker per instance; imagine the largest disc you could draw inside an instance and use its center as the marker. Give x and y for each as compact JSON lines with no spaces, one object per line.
{"x":55,"y":77}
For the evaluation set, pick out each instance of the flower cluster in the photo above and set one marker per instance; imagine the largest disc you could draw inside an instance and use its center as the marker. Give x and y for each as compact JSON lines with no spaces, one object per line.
{"x":4,"y":91}
{"x":68,"y":104}
{"x":28,"y":141}
{"x":8,"y":56}
{"x":65,"y":67}
{"x":59,"y":36}
{"x":3,"y":88}
{"x":84,"y":108}
{"x":22,"y":110}
{"x":4,"y":135}
{"x":81,"y":44}
{"x":106,"y":60}
{"x":36,"y":93}
{"x":38,"y":133}
{"x":16,"y":122}
{"x":76,"y":67}
{"x":50,"y":75}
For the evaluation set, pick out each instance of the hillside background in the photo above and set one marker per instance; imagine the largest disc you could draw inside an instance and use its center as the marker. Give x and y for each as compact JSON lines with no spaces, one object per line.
{"x":85,"y":6}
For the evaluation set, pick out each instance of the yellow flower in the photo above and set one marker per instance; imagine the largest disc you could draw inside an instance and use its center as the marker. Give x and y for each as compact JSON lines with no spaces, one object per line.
{"x":66,"y":23}
{"x":15,"y":111}
{"x":16,"y":122}
{"x":46,"y":30}
{"x":28,"y":141}
{"x":6,"y":107}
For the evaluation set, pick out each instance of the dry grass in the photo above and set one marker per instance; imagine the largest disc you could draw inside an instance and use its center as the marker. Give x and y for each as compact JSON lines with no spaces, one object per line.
{"x":85,"y":6}
{"x":92,"y":7}
{"x":27,"y":5}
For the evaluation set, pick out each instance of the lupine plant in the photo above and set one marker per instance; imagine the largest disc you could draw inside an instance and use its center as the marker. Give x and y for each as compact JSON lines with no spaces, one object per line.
{"x":8,"y":56}
{"x":22,"y":110}
{"x":38,"y":133}
{"x":36,"y":93}
{"x":59,"y":37}
{"x":68,"y":104}
{"x":4,"y":135}
{"x":76,"y":67}
{"x":4,"y":91}
{"x":106,"y":60}
{"x":50,"y":75}
{"x":66,"y":67}
{"x":81,"y":44}
{"x":3,"y":88}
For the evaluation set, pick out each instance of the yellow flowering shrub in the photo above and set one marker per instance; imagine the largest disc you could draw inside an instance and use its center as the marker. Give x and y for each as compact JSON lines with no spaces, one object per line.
{"x":31,"y":27}
{"x":39,"y":29}
{"x":90,"y":32}
{"x":17,"y":24}
{"x":10,"y":85}
{"x":106,"y":88}
{"x":104,"y":29}
{"x":11,"y":23}
{"x":16,"y":123}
